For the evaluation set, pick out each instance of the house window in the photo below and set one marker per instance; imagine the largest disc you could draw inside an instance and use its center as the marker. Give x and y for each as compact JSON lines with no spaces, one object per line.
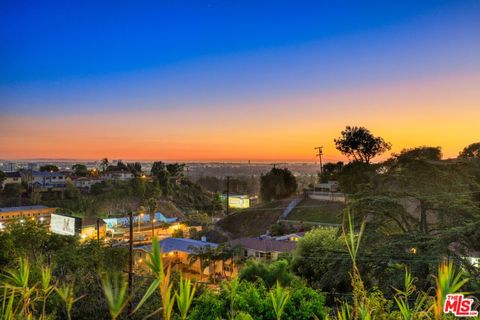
{"x":257,"y":254}
{"x":269,"y":255}
{"x":245,"y":253}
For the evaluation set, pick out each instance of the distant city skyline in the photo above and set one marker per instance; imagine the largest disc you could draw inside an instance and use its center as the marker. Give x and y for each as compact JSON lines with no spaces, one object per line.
{"x":225,"y":81}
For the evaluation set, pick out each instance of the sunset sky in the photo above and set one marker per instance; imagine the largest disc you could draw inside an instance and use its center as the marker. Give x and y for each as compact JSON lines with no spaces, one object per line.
{"x":234,"y":80}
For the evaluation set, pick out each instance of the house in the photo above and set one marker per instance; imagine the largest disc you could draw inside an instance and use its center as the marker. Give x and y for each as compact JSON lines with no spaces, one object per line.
{"x":85,"y":183}
{"x":40,"y":214}
{"x":264,"y":248}
{"x":45,"y":179}
{"x":119,"y":175}
{"x":12,"y":178}
{"x":179,"y":253}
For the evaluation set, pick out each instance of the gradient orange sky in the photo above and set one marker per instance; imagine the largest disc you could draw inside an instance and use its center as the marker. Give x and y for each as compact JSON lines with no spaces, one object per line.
{"x":235,"y":82}
{"x":437,"y":112}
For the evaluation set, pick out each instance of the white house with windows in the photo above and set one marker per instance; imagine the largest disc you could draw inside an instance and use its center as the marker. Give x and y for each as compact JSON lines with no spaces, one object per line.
{"x":85,"y":182}
{"x":47,"y":179}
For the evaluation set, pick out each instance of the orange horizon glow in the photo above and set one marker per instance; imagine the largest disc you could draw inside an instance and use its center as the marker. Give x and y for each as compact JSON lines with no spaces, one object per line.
{"x":436,"y":112}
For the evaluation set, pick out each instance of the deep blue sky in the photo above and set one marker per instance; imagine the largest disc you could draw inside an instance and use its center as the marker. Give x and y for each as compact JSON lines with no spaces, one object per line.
{"x":50,"y":40}
{"x":56,"y":54}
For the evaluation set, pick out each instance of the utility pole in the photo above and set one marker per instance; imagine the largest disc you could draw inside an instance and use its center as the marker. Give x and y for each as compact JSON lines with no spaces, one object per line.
{"x":319,"y":155}
{"x":228,"y":194}
{"x":152,"y":217}
{"x":130,"y":265}
{"x":98,"y":229}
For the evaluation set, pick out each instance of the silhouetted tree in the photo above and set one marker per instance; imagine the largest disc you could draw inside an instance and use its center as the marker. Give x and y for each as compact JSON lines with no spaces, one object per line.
{"x":121,"y":165}
{"x":330,"y":171}
{"x":135,"y":168}
{"x":360,"y":144}
{"x":277,"y":184}
{"x":104,"y":164}
{"x":471,"y":151}
{"x":175,"y":169}
{"x":419,"y":153}
{"x":49,"y":167}
{"x":80,"y":170}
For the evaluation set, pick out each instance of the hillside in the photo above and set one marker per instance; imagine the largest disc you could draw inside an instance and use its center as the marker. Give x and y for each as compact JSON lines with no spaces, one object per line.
{"x":253,"y":221}
{"x":317,"y":211}
{"x":169,"y":209}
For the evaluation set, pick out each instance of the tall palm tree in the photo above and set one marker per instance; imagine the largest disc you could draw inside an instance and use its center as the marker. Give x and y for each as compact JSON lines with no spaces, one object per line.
{"x":229,"y":253}
{"x":104,"y":164}
{"x":207,"y":256}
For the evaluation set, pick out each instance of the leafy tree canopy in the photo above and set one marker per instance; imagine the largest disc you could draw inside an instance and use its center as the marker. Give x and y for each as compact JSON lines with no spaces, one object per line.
{"x":277,"y":184}
{"x":331,"y":171}
{"x":360,"y":144}
{"x":49,"y":167}
{"x":80,"y":170}
{"x":419,"y":153}
{"x":471,"y":151}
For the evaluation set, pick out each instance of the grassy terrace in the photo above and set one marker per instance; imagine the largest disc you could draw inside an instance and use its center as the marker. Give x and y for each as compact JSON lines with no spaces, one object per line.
{"x":317,"y":211}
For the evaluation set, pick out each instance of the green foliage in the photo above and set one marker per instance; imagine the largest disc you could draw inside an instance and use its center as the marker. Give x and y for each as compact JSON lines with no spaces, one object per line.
{"x":360,"y":144}
{"x":279,"y":297}
{"x":275,"y":272}
{"x":198,"y":219}
{"x":115,"y":290}
{"x":420,"y":153}
{"x":13,"y":194}
{"x":49,"y":168}
{"x":321,"y":258}
{"x":184,"y":297}
{"x":355,"y":176}
{"x":161,"y":281}
{"x":207,"y":306}
{"x":277,"y":184}
{"x":471,"y":151}
{"x":402,"y":297}
{"x":80,"y":170}
{"x":305,"y":303}
{"x":279,"y":229}
{"x":331,"y":171}
{"x":28,"y":292}
{"x":448,"y":281}
{"x":66,"y":293}
{"x":135,"y":168}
